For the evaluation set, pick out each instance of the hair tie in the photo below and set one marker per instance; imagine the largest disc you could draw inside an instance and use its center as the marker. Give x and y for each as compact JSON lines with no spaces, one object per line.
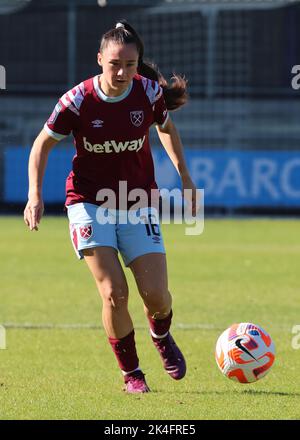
{"x":118,"y":25}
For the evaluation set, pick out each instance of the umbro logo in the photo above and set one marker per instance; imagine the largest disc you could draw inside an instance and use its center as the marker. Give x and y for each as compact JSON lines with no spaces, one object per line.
{"x":97,"y":123}
{"x":156,"y":239}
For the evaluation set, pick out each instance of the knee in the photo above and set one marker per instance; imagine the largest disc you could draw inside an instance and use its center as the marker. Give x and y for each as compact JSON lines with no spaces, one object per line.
{"x":114,"y":295}
{"x":157,"y":300}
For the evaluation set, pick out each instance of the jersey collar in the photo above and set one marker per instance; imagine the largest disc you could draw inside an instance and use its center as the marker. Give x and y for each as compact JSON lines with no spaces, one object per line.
{"x":110,"y":98}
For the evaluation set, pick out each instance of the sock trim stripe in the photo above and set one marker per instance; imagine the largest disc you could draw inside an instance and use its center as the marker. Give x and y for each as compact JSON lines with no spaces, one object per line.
{"x":154,"y":335}
{"x":132,"y":371}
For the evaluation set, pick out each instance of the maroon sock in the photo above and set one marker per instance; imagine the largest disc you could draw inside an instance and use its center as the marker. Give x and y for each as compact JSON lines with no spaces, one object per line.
{"x":125,"y":352}
{"x":160,"y":326}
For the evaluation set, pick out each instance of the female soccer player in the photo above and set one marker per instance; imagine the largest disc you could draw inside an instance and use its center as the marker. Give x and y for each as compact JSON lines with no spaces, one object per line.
{"x":109,"y":116}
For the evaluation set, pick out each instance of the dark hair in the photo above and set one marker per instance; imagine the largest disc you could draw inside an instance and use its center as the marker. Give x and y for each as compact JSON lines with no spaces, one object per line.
{"x":175,"y":93}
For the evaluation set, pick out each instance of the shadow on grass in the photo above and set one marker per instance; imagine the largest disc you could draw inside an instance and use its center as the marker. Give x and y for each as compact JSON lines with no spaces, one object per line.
{"x":242,"y":392}
{"x":271,"y":393}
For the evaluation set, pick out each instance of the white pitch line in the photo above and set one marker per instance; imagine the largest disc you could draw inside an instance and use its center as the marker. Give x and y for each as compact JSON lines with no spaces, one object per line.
{"x":50,"y":326}
{"x":90,"y":326}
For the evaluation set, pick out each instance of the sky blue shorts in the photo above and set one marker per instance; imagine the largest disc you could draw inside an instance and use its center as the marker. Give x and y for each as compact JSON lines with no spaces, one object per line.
{"x":132,"y":233}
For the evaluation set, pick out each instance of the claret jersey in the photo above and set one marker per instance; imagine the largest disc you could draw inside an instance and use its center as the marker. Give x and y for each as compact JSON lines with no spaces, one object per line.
{"x":111,"y":136}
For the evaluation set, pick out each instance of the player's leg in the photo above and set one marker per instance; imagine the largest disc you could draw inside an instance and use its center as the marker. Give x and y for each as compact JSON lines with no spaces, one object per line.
{"x":97,"y":243}
{"x":107,"y":271}
{"x":150,"y":272}
{"x":141,"y":246}
{"x":110,"y":279}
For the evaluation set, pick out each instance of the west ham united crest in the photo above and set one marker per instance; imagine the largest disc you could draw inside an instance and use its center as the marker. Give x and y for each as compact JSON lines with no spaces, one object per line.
{"x":137,"y":117}
{"x":86,"y":232}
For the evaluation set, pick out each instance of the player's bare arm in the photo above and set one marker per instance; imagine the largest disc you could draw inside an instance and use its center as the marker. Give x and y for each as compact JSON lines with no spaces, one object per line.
{"x":36,"y":169}
{"x":171,"y":142}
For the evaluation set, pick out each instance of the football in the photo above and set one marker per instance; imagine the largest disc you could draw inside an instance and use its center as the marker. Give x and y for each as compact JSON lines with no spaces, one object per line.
{"x":245,"y":352}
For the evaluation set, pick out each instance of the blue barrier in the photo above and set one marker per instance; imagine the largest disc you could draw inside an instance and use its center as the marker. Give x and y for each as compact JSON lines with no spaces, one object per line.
{"x":230,"y":178}
{"x":239,"y":178}
{"x":16,"y":174}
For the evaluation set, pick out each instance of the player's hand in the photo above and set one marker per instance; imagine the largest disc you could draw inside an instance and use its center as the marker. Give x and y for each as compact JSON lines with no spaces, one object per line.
{"x":191,"y":195}
{"x":33,"y":212}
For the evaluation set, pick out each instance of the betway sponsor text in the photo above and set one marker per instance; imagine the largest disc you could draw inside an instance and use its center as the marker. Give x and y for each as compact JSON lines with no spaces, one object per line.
{"x":113,"y":146}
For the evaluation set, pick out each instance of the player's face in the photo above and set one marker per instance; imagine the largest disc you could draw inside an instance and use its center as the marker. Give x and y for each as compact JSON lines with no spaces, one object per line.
{"x":119,"y":65}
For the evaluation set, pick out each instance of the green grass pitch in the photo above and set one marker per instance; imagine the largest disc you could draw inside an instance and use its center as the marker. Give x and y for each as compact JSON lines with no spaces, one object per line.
{"x":236,"y":271}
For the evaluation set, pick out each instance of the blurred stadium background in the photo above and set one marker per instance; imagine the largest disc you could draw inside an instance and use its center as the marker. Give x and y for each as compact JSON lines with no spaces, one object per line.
{"x":241,"y":133}
{"x":240,"y":129}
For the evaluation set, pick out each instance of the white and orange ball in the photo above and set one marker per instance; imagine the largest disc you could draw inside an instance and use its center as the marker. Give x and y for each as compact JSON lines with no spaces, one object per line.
{"x":245,"y":352}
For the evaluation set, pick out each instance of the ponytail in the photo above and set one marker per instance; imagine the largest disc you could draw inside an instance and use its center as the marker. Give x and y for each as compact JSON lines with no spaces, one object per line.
{"x":175,"y":93}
